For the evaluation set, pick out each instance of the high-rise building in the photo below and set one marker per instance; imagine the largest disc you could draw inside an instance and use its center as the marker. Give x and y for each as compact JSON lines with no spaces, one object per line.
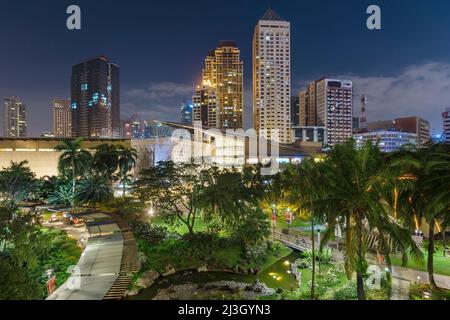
{"x":446,"y":128}
{"x":186,"y":113}
{"x":223,"y":71}
{"x":95,"y":101}
{"x":417,"y":125}
{"x":329,"y":103}
{"x":62,"y":118}
{"x":295,"y":109}
{"x":272,"y":77}
{"x":308,"y":106}
{"x":15,"y":118}
{"x":206,"y":107}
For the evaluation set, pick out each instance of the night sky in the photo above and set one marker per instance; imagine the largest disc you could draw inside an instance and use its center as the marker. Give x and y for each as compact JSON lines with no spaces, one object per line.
{"x":160,"y":46}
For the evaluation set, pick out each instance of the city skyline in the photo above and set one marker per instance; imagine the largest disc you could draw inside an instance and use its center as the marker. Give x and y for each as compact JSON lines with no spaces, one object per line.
{"x":390,"y":77}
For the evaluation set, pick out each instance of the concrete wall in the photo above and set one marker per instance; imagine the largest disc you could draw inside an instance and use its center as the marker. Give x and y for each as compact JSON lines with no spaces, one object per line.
{"x":40,"y":154}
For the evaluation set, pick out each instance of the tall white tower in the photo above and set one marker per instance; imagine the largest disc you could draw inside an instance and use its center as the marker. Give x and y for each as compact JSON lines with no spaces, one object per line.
{"x":272,"y":77}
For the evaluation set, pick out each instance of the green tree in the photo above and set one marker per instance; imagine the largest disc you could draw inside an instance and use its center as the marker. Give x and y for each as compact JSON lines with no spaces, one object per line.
{"x":174,"y":190}
{"x":304,"y":184}
{"x":94,"y":189}
{"x":73,"y":159}
{"x":106,"y":160}
{"x":428,"y":197}
{"x":127,"y":158}
{"x":350,"y":198}
{"x":17,"y":182}
{"x":61,"y":195}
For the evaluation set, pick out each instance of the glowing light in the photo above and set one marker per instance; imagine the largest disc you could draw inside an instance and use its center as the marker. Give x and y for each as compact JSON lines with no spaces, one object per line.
{"x":287,"y":263}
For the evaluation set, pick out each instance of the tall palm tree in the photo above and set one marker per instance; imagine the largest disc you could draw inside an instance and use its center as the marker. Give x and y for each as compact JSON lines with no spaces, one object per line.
{"x":429,"y":199}
{"x":304,"y":184}
{"x":73,"y":159}
{"x":94,"y":189}
{"x":351,"y":197}
{"x":127,"y":158}
{"x":106,"y":160}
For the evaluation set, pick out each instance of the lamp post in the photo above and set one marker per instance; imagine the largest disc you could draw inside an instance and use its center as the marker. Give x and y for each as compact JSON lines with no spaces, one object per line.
{"x":274,"y":218}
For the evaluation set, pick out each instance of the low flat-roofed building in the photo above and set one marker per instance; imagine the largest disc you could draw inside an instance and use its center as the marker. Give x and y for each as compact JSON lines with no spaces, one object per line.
{"x":388,"y":140}
{"x":40,"y":152}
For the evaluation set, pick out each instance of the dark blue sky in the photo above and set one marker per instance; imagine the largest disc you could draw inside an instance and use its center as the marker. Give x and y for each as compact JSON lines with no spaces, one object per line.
{"x":160,"y":47}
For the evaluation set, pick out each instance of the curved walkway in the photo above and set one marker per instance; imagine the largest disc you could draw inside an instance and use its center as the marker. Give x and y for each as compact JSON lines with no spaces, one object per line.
{"x":100,"y":263}
{"x":96,"y":271}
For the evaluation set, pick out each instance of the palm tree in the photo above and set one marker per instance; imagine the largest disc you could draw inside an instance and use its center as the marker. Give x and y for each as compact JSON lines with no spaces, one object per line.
{"x":61,"y":195}
{"x":429,"y":199}
{"x":126,"y":161}
{"x":352,"y":196}
{"x":304,"y":184}
{"x":94,"y":189}
{"x":106,"y":160}
{"x":73,"y":159}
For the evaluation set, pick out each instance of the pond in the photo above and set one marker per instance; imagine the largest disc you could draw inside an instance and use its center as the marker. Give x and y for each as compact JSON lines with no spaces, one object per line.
{"x":277,"y":276}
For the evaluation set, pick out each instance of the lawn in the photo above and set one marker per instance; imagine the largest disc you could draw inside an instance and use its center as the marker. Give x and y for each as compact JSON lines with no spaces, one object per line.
{"x":441,"y":263}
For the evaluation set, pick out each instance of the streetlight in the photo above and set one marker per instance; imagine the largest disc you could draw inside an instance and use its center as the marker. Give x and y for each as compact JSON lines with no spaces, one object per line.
{"x":274,"y":218}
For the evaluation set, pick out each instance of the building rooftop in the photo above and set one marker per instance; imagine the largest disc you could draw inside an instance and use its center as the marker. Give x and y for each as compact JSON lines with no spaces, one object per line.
{"x":271,"y":15}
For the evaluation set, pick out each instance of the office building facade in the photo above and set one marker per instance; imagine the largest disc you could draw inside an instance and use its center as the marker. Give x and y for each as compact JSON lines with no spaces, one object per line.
{"x":62,"y":118}
{"x":272,"y":78}
{"x":14,"y":118}
{"x":95,"y":99}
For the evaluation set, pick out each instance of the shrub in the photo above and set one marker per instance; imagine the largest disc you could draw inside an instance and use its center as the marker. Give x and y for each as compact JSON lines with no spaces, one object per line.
{"x":347,"y":292}
{"x":151,"y":233}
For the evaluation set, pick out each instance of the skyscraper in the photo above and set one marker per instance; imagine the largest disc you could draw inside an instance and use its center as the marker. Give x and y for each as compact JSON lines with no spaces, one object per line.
{"x":206,"y":108}
{"x":272,"y":77}
{"x":95,"y":99}
{"x":186,"y":113}
{"x":329,"y":103}
{"x":295,"y":109}
{"x":223,"y":71}
{"x":15,"y":118}
{"x":446,"y":132}
{"x":62,"y":118}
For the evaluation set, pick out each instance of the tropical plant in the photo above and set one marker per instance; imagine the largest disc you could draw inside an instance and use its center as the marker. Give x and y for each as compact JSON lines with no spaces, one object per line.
{"x":351,"y":199}
{"x":61,"y":195}
{"x":73,"y":159}
{"x":93,"y":189}
{"x":428,"y":198}
{"x":106,"y":161}
{"x":304,"y":184}
{"x":17,"y":182}
{"x":126,"y":161}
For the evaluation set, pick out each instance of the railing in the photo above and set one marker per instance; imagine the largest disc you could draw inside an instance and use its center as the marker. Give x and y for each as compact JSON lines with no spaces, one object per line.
{"x":295,"y":241}
{"x":304,"y":244}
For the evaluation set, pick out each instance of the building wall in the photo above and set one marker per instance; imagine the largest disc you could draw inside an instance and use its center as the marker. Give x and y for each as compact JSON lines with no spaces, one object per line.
{"x":40,"y":154}
{"x":95,"y":99}
{"x":272,"y":78}
{"x":62,"y":118}
{"x":388,"y":141}
{"x":223,"y":71}
{"x":14,"y":118}
{"x":446,"y":120}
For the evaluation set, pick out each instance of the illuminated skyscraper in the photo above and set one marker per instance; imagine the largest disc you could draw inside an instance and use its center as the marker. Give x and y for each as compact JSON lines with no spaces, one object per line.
{"x":15,"y":118}
{"x":223,"y":72}
{"x":446,"y":131}
{"x":206,"y":108}
{"x":328,"y":103}
{"x":95,"y":99}
{"x":272,"y":77}
{"x":62,"y":118}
